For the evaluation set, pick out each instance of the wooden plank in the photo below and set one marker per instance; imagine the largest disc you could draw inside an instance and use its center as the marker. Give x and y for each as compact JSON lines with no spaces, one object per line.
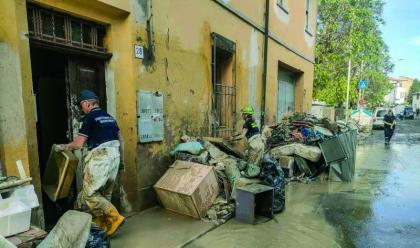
{"x":225,"y":147}
{"x":32,"y":234}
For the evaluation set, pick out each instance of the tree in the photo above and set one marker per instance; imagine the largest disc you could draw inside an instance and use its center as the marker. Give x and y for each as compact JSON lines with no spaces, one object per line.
{"x":415,"y":87}
{"x":350,"y":29}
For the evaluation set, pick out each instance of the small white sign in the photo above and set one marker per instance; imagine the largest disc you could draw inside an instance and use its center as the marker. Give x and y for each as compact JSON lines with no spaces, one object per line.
{"x":138,"y":52}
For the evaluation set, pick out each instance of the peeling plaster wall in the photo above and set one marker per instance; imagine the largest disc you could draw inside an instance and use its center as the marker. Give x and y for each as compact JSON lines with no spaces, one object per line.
{"x":11,"y":111}
{"x":17,"y":110}
{"x":254,"y":60}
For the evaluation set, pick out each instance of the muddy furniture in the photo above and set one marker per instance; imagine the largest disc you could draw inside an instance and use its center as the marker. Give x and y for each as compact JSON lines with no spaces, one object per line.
{"x":340,"y":154}
{"x":59,"y":174}
{"x":253,"y":200}
{"x":188,"y":188}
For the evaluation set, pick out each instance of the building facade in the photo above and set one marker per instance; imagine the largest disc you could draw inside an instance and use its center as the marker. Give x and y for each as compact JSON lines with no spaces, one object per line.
{"x":416,"y":101}
{"x":162,"y":68}
{"x":400,"y":88}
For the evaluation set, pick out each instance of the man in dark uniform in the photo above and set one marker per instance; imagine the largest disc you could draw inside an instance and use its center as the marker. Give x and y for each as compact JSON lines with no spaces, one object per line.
{"x":389,"y":126}
{"x":101,"y":134}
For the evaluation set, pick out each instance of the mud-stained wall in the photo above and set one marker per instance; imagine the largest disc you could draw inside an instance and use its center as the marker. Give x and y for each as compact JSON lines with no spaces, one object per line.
{"x":17,"y":111}
{"x":181,"y":69}
{"x":176,"y":36}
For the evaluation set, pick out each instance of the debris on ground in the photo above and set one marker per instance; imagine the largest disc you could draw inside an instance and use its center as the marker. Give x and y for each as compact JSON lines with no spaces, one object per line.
{"x":28,"y":238}
{"x":292,"y":154}
{"x":272,"y":175}
{"x":188,"y":188}
{"x":63,"y":236}
{"x":97,"y":238}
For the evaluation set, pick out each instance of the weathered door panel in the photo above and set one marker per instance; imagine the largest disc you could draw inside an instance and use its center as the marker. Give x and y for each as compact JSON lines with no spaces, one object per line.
{"x":286,"y":93}
{"x":83,"y":74}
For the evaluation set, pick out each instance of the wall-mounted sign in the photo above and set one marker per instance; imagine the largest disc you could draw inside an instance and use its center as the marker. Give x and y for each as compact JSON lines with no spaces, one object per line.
{"x":138,"y":52}
{"x":150,"y":123}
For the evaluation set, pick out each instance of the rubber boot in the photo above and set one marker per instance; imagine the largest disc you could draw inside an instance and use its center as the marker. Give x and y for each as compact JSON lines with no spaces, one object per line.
{"x":114,"y":221}
{"x":100,"y":222}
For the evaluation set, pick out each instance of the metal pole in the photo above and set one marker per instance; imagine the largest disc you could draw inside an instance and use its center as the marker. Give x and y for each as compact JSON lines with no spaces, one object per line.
{"x":348,"y":90}
{"x":360,"y":90}
{"x":264,"y":82}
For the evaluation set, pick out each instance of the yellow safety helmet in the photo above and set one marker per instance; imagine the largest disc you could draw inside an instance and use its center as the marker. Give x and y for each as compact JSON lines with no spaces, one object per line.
{"x":247,"y":110}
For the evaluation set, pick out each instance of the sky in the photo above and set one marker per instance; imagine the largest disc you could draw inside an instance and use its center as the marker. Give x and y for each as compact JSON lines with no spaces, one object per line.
{"x":402,"y":35}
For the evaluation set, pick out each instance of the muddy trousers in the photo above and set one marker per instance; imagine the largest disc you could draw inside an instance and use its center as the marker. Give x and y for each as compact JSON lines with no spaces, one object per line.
{"x":255,"y":150}
{"x":99,"y":175}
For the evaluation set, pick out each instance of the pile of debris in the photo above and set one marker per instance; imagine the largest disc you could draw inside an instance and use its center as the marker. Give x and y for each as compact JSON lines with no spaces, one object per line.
{"x":299,"y":148}
{"x":231,"y":170}
{"x":297,"y":143}
{"x":301,"y":128}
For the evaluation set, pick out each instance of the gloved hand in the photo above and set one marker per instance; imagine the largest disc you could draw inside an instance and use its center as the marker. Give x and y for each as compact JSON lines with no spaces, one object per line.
{"x":59,"y":148}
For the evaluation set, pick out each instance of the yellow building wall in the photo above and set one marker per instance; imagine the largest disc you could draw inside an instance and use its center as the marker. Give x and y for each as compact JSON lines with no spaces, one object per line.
{"x":290,"y":27}
{"x":18,"y":131}
{"x":181,"y":37}
{"x":17,"y":122}
{"x":182,"y":70}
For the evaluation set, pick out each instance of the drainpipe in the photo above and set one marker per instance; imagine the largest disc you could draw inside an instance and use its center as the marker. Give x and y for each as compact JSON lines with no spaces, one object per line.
{"x":264,"y":79}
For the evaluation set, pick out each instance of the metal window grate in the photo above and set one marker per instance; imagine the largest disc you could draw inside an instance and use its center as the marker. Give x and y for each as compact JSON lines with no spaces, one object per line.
{"x":225,"y":106}
{"x":224,"y":93}
{"x":59,"y":28}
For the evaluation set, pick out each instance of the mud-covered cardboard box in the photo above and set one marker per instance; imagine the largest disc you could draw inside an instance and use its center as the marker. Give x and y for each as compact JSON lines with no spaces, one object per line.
{"x":188,"y":188}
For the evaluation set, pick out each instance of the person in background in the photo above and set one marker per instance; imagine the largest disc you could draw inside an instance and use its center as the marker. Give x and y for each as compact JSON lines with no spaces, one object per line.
{"x":389,"y":126}
{"x":251,"y":132}
{"x":417,"y":112}
{"x":101,"y":164}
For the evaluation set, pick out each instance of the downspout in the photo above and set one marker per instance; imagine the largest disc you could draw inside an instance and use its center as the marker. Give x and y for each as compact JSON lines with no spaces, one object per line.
{"x":264,"y":79}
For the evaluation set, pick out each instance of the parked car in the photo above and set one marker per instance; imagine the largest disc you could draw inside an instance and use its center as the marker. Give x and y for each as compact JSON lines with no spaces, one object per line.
{"x":408,"y":113}
{"x":399,"y":110}
{"x":378,"y":118}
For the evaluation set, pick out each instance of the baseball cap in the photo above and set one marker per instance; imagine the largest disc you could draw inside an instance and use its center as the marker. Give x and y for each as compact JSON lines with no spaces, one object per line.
{"x":86,"y":95}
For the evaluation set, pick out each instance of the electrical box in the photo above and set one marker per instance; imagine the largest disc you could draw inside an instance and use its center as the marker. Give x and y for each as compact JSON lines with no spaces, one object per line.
{"x":150,"y":119}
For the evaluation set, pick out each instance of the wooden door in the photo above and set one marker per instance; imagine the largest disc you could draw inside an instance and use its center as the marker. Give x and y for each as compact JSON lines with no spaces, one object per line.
{"x":83,"y":74}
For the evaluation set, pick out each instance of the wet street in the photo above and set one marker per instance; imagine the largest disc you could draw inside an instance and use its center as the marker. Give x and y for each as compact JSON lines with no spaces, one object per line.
{"x":380,"y":208}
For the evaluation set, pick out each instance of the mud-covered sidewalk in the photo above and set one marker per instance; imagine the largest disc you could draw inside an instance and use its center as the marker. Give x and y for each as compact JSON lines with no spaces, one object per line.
{"x":380,"y":208}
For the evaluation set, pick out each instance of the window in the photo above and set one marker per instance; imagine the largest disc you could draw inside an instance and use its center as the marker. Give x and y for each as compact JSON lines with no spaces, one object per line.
{"x":59,"y":28}
{"x":224,"y":86}
{"x":283,"y":5}
{"x":308,"y":16}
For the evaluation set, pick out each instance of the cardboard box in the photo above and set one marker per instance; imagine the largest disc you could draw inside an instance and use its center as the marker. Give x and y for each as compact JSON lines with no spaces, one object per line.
{"x":188,"y":188}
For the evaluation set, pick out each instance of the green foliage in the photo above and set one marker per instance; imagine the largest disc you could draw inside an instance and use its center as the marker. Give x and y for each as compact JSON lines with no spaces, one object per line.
{"x":415,"y":87}
{"x":350,"y":29}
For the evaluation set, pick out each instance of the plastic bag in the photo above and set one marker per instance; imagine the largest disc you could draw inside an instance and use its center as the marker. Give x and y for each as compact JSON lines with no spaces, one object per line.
{"x":272,"y":175}
{"x":27,"y":195}
{"x":193,"y":147}
{"x":97,"y":238}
